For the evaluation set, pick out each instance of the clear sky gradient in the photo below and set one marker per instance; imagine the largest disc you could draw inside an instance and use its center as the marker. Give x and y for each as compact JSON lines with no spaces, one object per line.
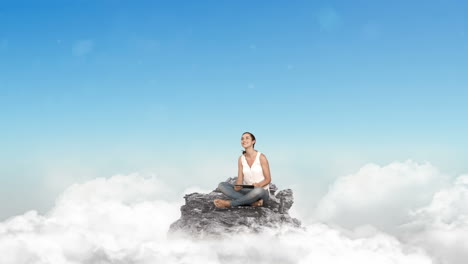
{"x":92,"y":88}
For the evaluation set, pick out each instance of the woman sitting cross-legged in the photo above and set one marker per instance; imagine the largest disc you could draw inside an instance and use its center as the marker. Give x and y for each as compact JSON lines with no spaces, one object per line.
{"x":253,"y":169}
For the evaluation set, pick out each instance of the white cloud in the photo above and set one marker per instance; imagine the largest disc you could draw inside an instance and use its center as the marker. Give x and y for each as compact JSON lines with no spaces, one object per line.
{"x":317,"y":244}
{"x":82,"y":47}
{"x":381,"y":196}
{"x":442,"y":226}
{"x":124,"y":219}
{"x":411,"y":201}
{"x":97,"y":219}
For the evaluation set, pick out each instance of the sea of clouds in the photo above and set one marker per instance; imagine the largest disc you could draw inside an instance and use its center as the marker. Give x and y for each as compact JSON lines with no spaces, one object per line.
{"x":404,"y":212}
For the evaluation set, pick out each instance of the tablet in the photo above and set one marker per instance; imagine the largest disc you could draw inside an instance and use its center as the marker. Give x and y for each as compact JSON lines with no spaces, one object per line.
{"x":245,"y":186}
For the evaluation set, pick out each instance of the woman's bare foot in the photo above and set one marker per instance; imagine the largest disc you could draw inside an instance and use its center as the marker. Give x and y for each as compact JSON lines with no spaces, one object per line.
{"x":221,"y":203}
{"x":257,"y":203}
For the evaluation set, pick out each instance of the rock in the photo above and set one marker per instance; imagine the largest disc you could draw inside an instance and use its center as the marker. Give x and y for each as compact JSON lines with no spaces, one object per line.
{"x":200,"y":218}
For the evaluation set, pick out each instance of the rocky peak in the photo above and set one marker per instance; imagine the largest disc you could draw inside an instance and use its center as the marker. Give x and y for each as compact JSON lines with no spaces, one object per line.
{"x":200,"y":218}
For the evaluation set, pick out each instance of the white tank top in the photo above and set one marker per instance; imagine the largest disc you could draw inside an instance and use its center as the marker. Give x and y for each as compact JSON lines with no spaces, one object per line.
{"x":255,"y":173}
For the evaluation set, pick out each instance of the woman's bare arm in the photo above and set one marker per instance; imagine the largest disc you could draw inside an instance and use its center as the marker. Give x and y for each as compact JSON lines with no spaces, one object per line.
{"x":266,"y":172}
{"x":240,"y":174}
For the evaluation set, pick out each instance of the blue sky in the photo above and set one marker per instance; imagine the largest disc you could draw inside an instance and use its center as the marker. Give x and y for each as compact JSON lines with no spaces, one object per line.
{"x":95,"y":88}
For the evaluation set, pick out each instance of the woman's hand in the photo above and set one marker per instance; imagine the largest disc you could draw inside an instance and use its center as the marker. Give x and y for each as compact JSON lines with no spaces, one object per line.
{"x":237,"y":188}
{"x":257,"y":184}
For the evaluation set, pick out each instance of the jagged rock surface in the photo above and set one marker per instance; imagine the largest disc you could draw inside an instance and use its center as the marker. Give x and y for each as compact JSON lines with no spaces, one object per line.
{"x":201,"y":218}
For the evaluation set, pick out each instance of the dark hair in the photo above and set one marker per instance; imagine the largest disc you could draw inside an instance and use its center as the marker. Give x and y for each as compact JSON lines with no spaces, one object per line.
{"x":253,"y":138}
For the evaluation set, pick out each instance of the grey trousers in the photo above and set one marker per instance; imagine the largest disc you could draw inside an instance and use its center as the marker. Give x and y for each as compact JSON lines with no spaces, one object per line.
{"x":244,"y":196}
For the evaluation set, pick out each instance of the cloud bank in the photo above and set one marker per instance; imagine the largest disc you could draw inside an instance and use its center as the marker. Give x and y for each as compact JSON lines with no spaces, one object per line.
{"x":381,"y":196}
{"x":125,"y":218}
{"x":442,"y":226}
